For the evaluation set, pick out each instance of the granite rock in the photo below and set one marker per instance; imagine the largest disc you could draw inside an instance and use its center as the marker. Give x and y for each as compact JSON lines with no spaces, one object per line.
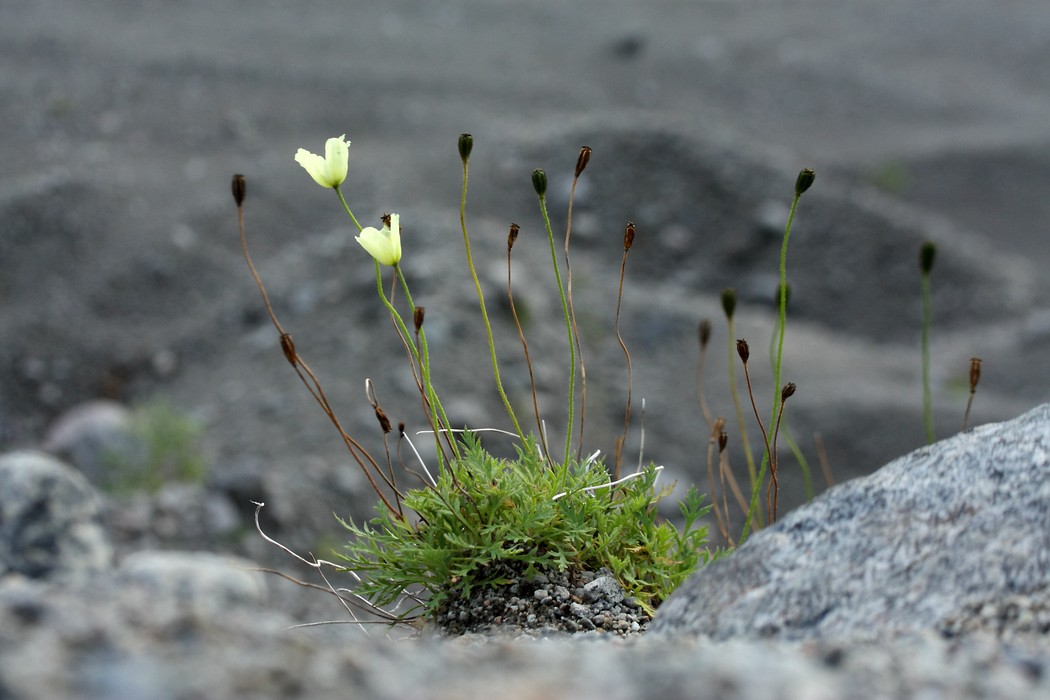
{"x":933,"y":541}
{"x":50,"y":520}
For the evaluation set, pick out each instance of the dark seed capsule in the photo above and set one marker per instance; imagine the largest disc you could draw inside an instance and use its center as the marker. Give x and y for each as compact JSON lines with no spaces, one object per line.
{"x":583,"y":159}
{"x":466,"y":143}
{"x":240,"y":188}
{"x":743,"y":350}
{"x":628,"y":236}
{"x":539,"y":181}
{"x":729,"y":301}
{"x":804,"y":181}
{"x":926,"y":255}
{"x":705,"y":333}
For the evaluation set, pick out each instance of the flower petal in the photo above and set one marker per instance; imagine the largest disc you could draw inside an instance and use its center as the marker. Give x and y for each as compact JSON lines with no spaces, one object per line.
{"x":313,"y":164}
{"x":395,"y":236}
{"x":372,"y":240}
{"x":336,"y":154}
{"x":383,"y":245}
{"x":329,"y":171}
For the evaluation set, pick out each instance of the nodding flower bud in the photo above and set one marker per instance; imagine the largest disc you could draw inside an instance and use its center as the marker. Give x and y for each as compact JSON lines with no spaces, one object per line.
{"x":729,"y":302}
{"x":743,"y":350}
{"x":583,"y":159}
{"x":975,"y":373}
{"x":239,"y":187}
{"x":723,"y":440}
{"x":628,"y":236}
{"x":401,"y":429}
{"x":787,"y":392}
{"x":927,"y":253}
{"x":384,"y":422}
{"x":288,"y":348}
{"x":804,"y":181}
{"x":417,"y":316}
{"x":539,"y":181}
{"x":466,"y":143}
{"x":512,"y":236}
{"x":705,"y":333}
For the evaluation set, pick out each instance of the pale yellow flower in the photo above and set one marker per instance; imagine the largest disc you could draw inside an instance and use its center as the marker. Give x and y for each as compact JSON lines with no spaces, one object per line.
{"x":384,"y":245}
{"x":329,"y":171}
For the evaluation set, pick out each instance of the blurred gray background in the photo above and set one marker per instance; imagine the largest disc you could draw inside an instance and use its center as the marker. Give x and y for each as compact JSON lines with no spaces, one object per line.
{"x":120,"y":274}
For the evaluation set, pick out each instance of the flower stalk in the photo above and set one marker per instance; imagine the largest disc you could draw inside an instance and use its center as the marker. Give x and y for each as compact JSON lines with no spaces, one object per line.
{"x":466,"y":143}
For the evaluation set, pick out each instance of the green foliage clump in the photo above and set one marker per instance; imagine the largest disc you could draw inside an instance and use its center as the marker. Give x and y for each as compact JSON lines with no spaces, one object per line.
{"x":164,"y":447}
{"x":483,"y":510}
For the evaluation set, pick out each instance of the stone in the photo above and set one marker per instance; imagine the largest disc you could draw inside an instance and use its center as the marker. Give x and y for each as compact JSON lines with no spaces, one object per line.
{"x":50,"y":520}
{"x":92,"y":436}
{"x":191,"y":584}
{"x":924,"y":544}
{"x":176,"y":516}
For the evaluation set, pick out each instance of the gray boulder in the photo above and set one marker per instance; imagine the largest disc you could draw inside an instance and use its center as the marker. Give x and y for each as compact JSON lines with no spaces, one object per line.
{"x":93,"y":437}
{"x":951,"y":538}
{"x":50,"y":520}
{"x":195,"y":584}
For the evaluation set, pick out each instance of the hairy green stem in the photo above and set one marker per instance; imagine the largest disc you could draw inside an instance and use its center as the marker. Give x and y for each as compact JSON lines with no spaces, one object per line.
{"x":782,"y":296}
{"x":568,"y":329}
{"x":424,"y":368}
{"x":781,"y":325}
{"x":347,"y":208}
{"x":736,"y":404}
{"x":803,"y":463}
{"x":411,"y":345}
{"x":481,"y":302}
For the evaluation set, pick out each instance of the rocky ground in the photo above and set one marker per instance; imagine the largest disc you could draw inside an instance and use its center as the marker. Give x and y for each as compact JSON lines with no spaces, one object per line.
{"x":121,"y":277}
{"x":925,"y":580}
{"x":120,"y":274}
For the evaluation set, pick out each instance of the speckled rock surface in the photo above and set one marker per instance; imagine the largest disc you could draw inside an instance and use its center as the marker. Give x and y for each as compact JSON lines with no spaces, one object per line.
{"x":50,"y":520}
{"x":951,"y":538}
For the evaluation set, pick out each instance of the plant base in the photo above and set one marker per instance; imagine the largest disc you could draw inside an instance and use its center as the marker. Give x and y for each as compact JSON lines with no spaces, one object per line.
{"x":544,"y":604}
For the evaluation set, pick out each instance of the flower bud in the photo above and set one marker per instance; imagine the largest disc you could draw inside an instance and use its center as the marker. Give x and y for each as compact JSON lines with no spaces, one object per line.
{"x":583,"y":159}
{"x":466,"y":143}
{"x":705,"y":333}
{"x":729,"y":302}
{"x":539,"y":181}
{"x":743,"y":350}
{"x":975,"y":373}
{"x":239,"y":187}
{"x":723,"y":440}
{"x":512,"y":236}
{"x":787,"y":392}
{"x":927,"y":253}
{"x":804,"y":181}
{"x":628,"y":236}
{"x":288,"y":348}
{"x":417,"y":316}
{"x":384,"y":422}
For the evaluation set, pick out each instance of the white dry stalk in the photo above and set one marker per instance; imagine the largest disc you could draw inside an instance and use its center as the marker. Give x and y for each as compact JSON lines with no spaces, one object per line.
{"x":591,"y":489}
{"x":318,"y":564}
{"x":421,"y":462}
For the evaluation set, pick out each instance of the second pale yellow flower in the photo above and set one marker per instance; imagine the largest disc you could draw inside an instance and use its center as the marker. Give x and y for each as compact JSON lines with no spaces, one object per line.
{"x":383,"y":244}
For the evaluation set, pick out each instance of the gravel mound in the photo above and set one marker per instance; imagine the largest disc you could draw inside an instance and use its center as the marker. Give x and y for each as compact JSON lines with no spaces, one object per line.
{"x":546,"y":603}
